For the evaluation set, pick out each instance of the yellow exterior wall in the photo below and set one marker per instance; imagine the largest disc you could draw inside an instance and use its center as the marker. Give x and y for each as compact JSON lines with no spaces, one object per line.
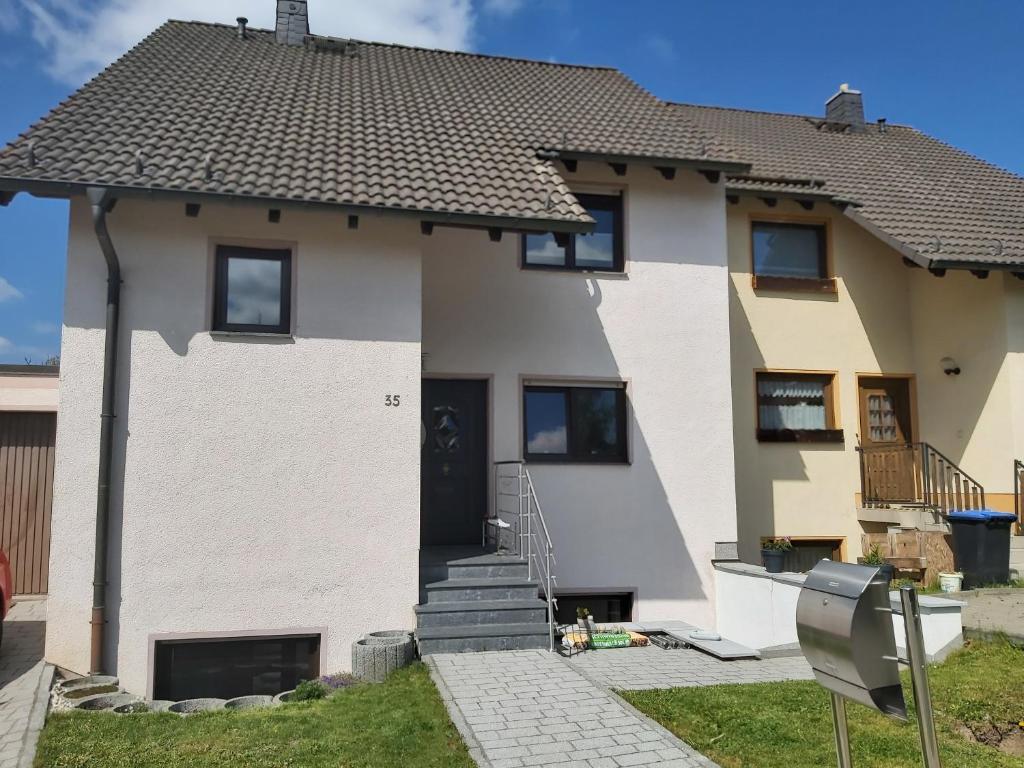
{"x":885,"y":318}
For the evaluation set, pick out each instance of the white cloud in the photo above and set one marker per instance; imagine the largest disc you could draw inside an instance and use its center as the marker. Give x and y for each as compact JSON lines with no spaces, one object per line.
{"x":5,"y":344}
{"x":662,"y":47}
{"x":8,"y":292}
{"x":80,"y":38}
{"x":548,"y":441}
{"x":45,"y":328}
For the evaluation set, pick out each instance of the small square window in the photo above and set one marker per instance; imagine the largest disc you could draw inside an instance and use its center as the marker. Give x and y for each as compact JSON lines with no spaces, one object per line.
{"x":790,"y":256}
{"x":796,"y":407}
{"x":575,"y":424}
{"x":600,"y":250}
{"x":252,"y":290}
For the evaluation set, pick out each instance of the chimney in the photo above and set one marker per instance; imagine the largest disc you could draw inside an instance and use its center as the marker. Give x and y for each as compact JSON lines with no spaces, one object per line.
{"x":292,"y":21}
{"x":846,"y":107}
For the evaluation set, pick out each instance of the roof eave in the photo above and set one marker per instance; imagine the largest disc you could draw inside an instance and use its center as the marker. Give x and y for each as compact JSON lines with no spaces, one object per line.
{"x":66,"y":190}
{"x":696,"y":164}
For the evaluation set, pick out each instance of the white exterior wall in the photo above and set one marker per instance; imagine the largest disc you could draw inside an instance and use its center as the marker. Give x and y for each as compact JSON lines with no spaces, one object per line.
{"x":663,"y":328}
{"x":28,"y":392}
{"x":266,"y":486}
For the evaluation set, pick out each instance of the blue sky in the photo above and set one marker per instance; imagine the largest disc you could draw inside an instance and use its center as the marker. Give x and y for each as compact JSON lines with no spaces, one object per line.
{"x":950,"y":68}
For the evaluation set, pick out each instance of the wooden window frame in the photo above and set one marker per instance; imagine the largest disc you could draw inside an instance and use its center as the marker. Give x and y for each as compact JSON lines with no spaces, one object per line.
{"x":573,"y":454}
{"x":832,"y":432}
{"x":223,"y":254}
{"x":824,"y":283}
{"x":597,"y":202}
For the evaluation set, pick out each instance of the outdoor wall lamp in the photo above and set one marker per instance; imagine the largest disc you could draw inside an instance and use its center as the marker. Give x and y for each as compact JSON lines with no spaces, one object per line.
{"x":949,"y":366}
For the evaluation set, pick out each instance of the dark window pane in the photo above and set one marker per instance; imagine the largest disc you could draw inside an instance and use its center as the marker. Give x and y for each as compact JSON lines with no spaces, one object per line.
{"x":546,"y":422}
{"x":543,"y":251}
{"x":253,"y":291}
{"x":596,"y":429}
{"x":598,"y":248}
{"x":604,"y":608}
{"x":228,"y":668}
{"x":789,"y":250}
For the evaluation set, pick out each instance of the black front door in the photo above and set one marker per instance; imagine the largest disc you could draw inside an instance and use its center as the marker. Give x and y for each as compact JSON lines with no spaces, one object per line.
{"x":453,"y":487}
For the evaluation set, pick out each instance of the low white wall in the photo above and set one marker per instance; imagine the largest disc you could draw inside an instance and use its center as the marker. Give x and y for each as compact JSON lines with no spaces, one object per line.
{"x":758,"y":609}
{"x":266,"y":487}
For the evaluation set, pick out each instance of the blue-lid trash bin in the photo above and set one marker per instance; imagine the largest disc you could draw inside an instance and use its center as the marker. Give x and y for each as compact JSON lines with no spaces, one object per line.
{"x":981,"y":545}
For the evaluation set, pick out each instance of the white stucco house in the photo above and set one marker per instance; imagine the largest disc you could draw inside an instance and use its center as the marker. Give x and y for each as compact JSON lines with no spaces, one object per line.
{"x":318,"y":292}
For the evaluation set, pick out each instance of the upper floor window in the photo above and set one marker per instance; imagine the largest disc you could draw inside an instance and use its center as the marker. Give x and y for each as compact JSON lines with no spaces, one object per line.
{"x":252,"y":290}
{"x":575,"y":424}
{"x":796,"y":407}
{"x":790,"y":255}
{"x":600,"y":250}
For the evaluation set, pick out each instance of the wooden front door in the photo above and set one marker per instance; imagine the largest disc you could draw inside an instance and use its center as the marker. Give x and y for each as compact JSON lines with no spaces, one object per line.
{"x":26,"y":496}
{"x":886,"y":435}
{"x":453,"y":465}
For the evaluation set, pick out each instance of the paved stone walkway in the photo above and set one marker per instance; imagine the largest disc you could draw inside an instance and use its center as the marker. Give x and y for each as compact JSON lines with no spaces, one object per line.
{"x":532,"y":708}
{"x":24,"y":683}
{"x":643,"y":668}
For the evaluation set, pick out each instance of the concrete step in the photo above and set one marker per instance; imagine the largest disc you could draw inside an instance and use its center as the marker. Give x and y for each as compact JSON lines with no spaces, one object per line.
{"x":486,"y":566}
{"x":470,"y":613}
{"x":485,"y":637}
{"x":493,"y":588}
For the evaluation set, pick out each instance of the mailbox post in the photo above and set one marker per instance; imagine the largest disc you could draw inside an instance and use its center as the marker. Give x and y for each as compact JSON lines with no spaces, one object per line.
{"x":844,"y":625}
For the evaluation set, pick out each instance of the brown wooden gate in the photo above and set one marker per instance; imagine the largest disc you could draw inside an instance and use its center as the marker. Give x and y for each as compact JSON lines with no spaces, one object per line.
{"x":26,"y":496}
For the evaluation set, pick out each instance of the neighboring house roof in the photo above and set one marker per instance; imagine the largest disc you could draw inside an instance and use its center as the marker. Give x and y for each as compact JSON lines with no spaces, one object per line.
{"x":195,"y":109}
{"x":934,"y":203}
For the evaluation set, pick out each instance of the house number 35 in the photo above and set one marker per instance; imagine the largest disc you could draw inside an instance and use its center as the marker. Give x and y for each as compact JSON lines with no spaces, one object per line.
{"x":392,"y":401}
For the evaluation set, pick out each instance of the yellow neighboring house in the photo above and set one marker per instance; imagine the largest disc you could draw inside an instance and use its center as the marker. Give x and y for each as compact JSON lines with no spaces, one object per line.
{"x":877,"y":314}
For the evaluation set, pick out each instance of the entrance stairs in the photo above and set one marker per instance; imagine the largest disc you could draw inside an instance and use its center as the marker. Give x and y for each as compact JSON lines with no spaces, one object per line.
{"x":478,"y":602}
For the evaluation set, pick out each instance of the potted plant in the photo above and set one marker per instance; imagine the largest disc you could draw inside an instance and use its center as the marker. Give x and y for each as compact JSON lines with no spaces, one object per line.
{"x":773,"y":553}
{"x":874,"y":557}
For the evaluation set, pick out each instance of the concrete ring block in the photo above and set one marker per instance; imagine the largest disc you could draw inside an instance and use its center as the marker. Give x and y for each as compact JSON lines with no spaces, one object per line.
{"x":251,"y":702}
{"x":373,"y":661}
{"x":388,"y":636}
{"x":192,"y":706}
{"x":92,"y":681}
{"x":105,"y":702}
{"x":284,"y":697}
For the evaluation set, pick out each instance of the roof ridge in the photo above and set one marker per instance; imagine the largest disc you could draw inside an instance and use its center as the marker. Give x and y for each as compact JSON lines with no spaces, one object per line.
{"x":472,"y":54}
{"x":774,"y":113}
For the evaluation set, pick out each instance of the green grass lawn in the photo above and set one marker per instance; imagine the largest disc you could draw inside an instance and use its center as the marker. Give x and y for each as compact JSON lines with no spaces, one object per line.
{"x":400,"y":722}
{"x":789,"y":725}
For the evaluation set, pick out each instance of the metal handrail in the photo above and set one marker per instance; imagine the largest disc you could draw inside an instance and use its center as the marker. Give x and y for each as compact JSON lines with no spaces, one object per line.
{"x":532,"y":535}
{"x":936,"y":481}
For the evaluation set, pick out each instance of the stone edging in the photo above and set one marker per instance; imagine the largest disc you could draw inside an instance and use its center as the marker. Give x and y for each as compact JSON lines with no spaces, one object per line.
{"x":476,"y":752}
{"x":37,"y":717}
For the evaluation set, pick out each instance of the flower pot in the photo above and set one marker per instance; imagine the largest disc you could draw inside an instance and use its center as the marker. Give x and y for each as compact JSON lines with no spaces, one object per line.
{"x":192,"y":706}
{"x":950,"y":582}
{"x":774,"y":560}
{"x":251,"y":702}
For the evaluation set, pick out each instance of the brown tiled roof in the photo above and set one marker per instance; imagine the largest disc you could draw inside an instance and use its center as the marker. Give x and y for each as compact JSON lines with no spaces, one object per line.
{"x":194,"y":109}
{"x":937,"y":204}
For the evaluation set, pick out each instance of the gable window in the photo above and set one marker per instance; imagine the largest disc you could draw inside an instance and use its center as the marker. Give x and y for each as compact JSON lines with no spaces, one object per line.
{"x":796,"y":407}
{"x":252,"y":290}
{"x":791,"y":256}
{"x":600,"y":250}
{"x":575,"y":424}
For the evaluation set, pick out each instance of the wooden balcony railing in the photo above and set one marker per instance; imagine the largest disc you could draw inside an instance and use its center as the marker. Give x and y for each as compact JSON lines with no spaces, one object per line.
{"x":1018,"y":482}
{"x":916,"y":473}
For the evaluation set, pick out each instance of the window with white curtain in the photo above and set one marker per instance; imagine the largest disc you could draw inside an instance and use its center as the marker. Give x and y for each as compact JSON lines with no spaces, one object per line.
{"x":796,"y":407}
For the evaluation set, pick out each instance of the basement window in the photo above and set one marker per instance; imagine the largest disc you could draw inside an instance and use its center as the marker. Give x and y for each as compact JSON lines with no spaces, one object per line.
{"x":796,"y":408}
{"x":598,"y":251}
{"x":582,"y":424}
{"x":252,"y":290}
{"x":224,"y":668}
{"x":790,"y":255}
{"x":605,"y":608}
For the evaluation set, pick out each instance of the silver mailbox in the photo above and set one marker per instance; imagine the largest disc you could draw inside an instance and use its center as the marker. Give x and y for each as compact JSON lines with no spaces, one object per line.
{"x":844,"y":624}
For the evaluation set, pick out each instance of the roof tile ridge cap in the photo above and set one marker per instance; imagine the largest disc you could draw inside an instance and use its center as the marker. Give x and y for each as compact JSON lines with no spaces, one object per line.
{"x":773,"y":113}
{"x":477,"y":54}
